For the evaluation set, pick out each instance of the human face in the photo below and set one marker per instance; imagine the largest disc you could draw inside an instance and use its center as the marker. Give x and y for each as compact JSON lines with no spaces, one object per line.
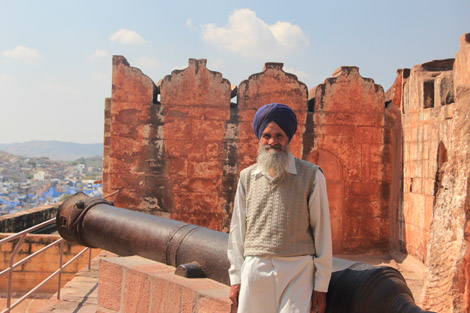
{"x":274,"y":137}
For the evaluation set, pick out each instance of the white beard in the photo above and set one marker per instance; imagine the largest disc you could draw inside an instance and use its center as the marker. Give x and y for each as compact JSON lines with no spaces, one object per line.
{"x":272,"y":161}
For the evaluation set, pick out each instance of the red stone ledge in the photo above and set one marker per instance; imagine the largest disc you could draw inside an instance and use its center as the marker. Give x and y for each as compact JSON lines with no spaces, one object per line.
{"x":136,"y":284}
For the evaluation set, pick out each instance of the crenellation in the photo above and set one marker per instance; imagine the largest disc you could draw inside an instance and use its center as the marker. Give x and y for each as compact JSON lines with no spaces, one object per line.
{"x":396,"y":162}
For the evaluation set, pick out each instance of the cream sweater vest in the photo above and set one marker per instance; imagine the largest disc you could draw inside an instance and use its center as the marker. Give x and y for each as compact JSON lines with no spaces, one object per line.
{"x":277,"y":213}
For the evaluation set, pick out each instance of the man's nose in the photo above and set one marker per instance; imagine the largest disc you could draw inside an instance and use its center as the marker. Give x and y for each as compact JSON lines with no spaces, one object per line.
{"x":272,"y":141}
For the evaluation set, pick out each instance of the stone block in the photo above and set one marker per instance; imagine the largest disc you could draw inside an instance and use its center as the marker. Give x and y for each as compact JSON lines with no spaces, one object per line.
{"x":210,"y":305}
{"x":166,"y":296}
{"x":137,"y":292}
{"x":111,"y":284}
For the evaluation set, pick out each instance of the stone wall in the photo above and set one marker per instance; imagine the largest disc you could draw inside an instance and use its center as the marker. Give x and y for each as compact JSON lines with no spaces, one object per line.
{"x":428,"y":104}
{"x":396,"y":163}
{"x":135,"y":284}
{"x":447,"y":277}
{"x":352,"y":144}
{"x":180,"y":156}
{"x":16,"y":222}
{"x":195,"y":106}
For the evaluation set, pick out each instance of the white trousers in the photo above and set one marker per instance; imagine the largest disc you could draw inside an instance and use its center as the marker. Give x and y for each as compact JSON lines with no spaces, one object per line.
{"x":276,"y":284}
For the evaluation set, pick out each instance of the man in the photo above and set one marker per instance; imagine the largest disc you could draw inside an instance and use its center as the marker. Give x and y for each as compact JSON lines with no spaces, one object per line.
{"x":280,"y":237}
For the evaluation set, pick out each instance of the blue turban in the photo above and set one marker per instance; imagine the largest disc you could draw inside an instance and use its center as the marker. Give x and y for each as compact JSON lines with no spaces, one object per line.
{"x":279,"y":113}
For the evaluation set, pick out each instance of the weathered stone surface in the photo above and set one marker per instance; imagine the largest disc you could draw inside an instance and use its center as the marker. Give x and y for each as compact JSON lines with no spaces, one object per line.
{"x":461,"y":66}
{"x":135,"y":149}
{"x":447,"y":277}
{"x":349,"y":143}
{"x":106,"y":145}
{"x":196,"y":114}
{"x":428,"y":96}
{"x":396,"y":164}
{"x":271,"y":85}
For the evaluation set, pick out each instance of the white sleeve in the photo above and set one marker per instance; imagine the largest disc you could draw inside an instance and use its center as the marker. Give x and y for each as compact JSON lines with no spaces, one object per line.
{"x":320,"y":223}
{"x":236,"y":239}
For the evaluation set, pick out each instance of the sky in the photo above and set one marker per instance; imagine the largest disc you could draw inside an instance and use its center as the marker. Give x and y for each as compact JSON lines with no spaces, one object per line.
{"x":56,"y":55}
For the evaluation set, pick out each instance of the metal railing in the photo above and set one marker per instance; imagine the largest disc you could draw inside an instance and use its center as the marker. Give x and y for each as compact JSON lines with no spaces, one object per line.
{"x":22,"y":236}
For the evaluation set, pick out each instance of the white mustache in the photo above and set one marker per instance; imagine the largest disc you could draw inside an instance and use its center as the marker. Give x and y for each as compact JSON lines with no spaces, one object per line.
{"x":276,"y":146}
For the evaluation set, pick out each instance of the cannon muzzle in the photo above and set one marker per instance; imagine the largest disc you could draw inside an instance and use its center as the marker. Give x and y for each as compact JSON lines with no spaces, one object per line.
{"x":201,"y":252}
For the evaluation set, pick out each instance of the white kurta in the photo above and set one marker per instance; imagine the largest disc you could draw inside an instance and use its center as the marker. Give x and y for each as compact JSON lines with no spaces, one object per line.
{"x":286,"y":277}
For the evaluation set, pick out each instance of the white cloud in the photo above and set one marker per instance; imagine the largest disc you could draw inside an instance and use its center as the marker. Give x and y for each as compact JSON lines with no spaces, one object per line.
{"x":190,"y":25}
{"x":245,"y":33}
{"x":4,"y":78}
{"x":301,"y":75}
{"x":147,"y":62}
{"x":99,"y":54}
{"x":127,"y":37}
{"x":23,"y":53}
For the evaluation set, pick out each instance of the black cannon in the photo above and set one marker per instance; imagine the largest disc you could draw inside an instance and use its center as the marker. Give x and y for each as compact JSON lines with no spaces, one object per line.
{"x":201,"y":252}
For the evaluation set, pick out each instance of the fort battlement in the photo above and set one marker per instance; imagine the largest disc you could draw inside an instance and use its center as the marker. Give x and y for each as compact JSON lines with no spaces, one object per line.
{"x":396,"y":162}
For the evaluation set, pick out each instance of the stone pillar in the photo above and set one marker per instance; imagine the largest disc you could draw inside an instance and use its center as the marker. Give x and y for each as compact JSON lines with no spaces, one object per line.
{"x":136,"y":163}
{"x":271,"y":85}
{"x":394,"y":137}
{"x":196,"y":108}
{"x":106,"y":145}
{"x":351,"y":148}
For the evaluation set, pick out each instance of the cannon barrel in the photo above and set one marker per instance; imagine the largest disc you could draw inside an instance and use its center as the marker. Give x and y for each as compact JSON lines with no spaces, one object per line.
{"x":201,"y":252}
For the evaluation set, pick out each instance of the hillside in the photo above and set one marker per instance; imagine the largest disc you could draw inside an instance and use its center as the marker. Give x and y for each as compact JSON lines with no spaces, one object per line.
{"x":54,"y":150}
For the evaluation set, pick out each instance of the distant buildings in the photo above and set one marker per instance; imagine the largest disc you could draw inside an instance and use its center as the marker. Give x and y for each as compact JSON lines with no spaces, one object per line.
{"x":31,"y":182}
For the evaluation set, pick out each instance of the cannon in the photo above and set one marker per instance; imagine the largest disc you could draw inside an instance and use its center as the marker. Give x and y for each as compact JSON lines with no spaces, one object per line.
{"x":201,"y":252}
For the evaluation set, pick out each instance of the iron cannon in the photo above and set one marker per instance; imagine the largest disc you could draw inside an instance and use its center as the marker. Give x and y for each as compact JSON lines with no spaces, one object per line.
{"x":201,"y":252}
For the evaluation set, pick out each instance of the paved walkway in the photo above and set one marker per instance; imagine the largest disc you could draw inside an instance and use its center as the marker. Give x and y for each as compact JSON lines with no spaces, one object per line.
{"x":80,"y":295}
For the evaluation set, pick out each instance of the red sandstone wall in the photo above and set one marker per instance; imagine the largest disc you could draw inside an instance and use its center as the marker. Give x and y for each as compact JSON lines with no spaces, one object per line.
{"x":447,"y":279}
{"x":135,"y":285}
{"x":271,"y":85}
{"x":394,"y":136}
{"x":196,"y":107}
{"x":106,"y":145}
{"x":395,"y":179}
{"x":181,"y":158}
{"x":427,"y":124}
{"x":136,"y":148}
{"x":349,"y":145}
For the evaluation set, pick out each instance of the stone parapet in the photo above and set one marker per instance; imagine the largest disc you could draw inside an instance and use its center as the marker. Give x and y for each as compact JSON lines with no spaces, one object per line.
{"x":16,"y":222}
{"x":134,"y":284}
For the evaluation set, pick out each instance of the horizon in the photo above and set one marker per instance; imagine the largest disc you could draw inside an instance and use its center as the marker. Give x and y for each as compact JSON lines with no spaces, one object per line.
{"x":53,"y":140}
{"x":56,"y":58}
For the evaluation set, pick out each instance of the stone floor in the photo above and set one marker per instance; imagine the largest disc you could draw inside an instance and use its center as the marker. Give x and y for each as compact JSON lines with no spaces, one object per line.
{"x":81,"y":293}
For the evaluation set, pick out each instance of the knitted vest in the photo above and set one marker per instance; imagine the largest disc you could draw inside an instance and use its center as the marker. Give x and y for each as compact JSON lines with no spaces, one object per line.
{"x":277,"y":215}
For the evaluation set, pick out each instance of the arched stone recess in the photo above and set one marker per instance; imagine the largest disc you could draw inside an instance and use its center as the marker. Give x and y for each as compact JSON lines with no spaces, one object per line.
{"x":135,"y":148}
{"x":196,"y":107}
{"x":333,"y":171}
{"x":271,"y":85}
{"x":348,"y":118}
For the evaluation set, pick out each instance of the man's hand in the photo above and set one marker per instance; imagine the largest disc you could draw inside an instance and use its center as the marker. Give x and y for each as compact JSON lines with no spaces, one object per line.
{"x":318,"y":302}
{"x":234,"y":293}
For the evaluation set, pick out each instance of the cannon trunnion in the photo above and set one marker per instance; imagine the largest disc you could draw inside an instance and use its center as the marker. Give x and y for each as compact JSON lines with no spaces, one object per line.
{"x":201,"y":252}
